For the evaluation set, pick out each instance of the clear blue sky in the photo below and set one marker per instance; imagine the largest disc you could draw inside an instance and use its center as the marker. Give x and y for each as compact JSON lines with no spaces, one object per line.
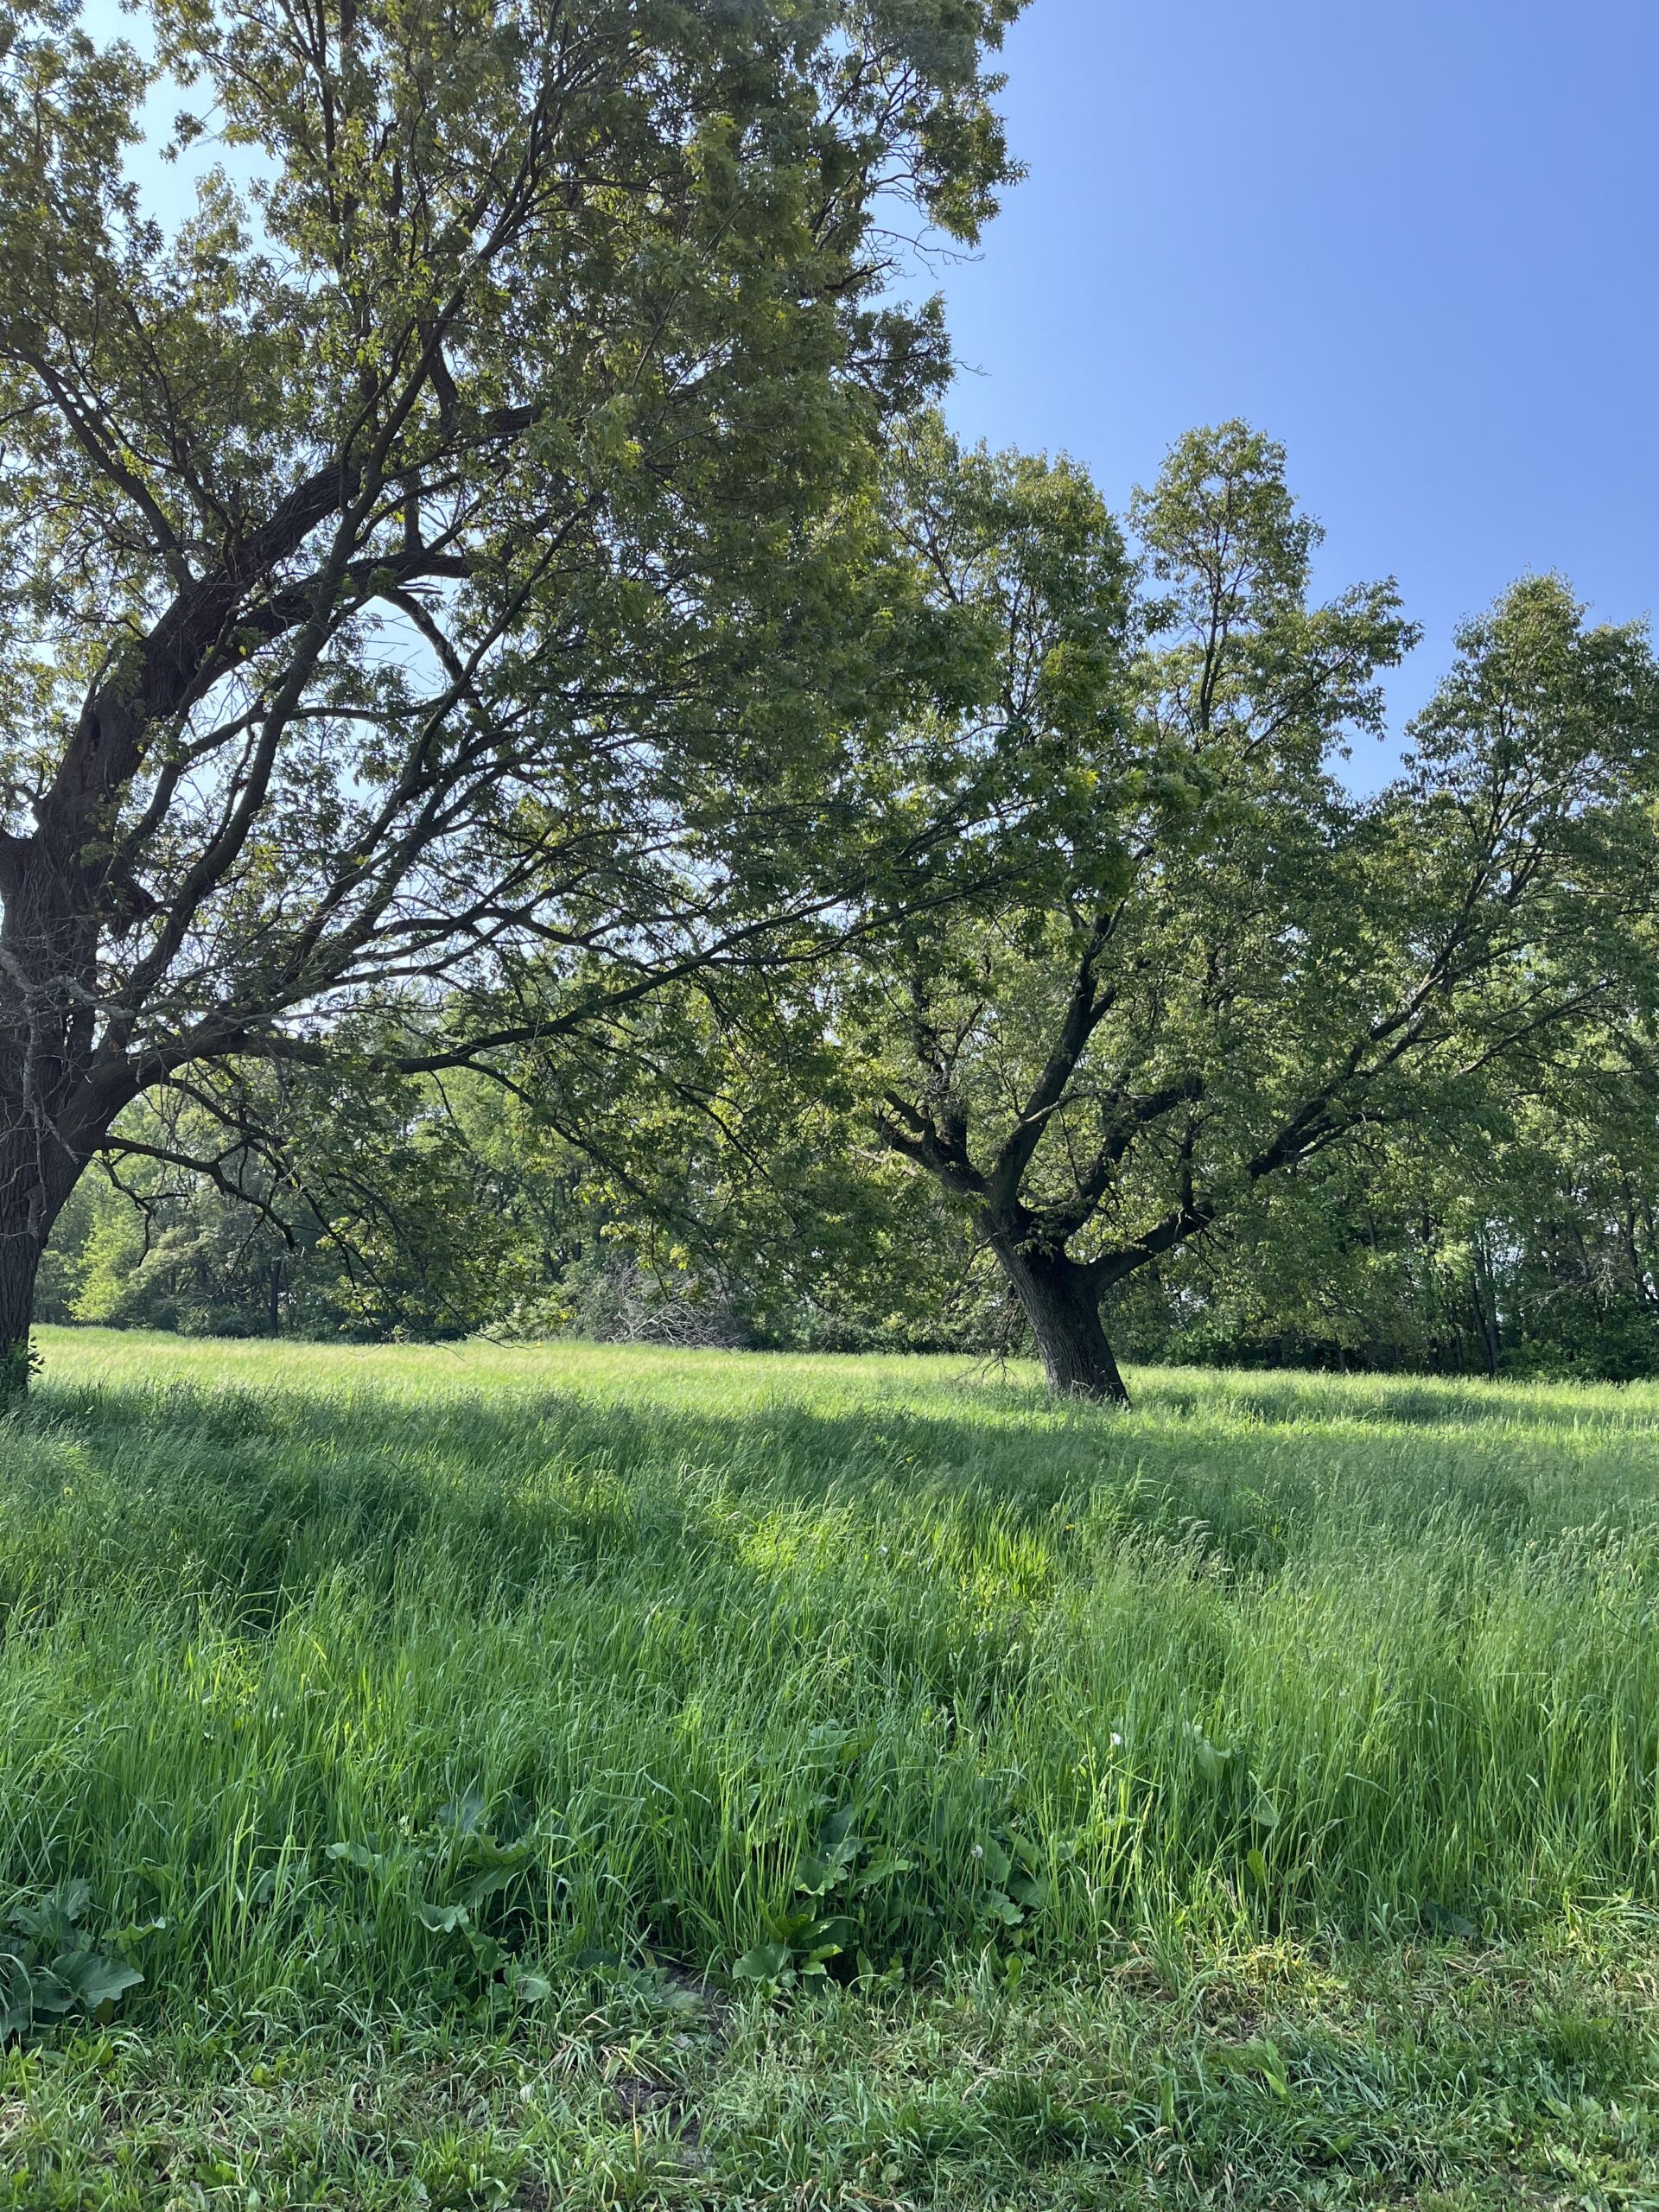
{"x":1418,"y":244}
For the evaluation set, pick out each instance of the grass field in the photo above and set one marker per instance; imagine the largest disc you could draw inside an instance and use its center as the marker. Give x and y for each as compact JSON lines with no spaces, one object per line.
{"x":1249,"y":1801}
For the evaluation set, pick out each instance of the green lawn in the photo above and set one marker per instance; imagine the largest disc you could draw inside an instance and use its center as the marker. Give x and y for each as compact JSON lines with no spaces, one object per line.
{"x":1249,"y":1801}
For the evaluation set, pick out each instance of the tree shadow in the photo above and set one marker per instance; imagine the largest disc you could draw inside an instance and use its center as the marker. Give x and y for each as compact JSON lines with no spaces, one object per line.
{"x":254,"y":1497}
{"x":1286,"y":1398}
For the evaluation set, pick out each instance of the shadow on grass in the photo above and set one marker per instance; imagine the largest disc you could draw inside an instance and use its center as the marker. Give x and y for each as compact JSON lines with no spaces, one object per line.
{"x":254,"y":1497}
{"x":1279,"y":1399}
{"x":723,"y":1601}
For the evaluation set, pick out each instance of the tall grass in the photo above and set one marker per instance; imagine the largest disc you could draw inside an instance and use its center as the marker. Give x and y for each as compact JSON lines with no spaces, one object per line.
{"x":1270,"y":1652}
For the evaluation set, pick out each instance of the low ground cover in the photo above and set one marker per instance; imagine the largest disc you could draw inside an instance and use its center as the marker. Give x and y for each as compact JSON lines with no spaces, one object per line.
{"x":589,"y":1776}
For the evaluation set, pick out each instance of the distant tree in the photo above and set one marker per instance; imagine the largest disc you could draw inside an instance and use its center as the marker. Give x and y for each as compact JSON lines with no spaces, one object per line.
{"x":437,"y":574}
{"x":334,"y":1201}
{"x":1524,"y":1239}
{"x":1209,"y":965}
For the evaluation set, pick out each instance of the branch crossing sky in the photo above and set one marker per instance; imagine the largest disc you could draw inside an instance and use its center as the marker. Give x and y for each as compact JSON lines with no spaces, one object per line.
{"x":1418,"y":244}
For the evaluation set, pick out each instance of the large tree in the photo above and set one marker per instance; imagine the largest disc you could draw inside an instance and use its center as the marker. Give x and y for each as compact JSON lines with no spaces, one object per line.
{"x":434,"y":566}
{"x":1207,"y":963}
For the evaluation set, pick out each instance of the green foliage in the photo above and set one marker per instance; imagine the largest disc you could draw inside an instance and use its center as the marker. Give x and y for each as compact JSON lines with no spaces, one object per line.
{"x":51,"y":1970}
{"x":467,"y":1878}
{"x":361,"y":1206}
{"x":695,"y":1647}
{"x":19,"y":1360}
{"x":1253,"y":1792}
{"x":446,"y":593}
{"x":1524,"y":1238}
{"x":835,"y":1921}
{"x":1136,"y":1002}
{"x":1190,"y":2079}
{"x":1181,"y":960}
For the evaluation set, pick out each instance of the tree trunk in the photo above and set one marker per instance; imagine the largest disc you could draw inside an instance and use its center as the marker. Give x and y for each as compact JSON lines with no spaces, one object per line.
{"x":34,"y":1180}
{"x":1486,"y":1321}
{"x":1062,"y":1306}
{"x":20,"y":1246}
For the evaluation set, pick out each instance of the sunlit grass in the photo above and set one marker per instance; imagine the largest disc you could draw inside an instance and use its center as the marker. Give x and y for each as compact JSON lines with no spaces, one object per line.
{"x":261,"y":1600}
{"x":1272,"y":1662}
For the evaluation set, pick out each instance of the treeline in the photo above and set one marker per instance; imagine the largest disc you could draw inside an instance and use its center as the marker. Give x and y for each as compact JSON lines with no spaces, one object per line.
{"x":1531,"y":1250}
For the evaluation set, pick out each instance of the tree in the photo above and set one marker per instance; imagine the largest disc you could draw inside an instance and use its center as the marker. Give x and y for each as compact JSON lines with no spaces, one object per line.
{"x":439,"y":572}
{"x":1522,"y":1240}
{"x":728,"y":1170}
{"x":1209,"y":965}
{"x":333,"y":1200}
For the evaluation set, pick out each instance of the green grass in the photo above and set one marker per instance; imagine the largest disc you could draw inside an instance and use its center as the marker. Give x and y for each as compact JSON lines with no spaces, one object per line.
{"x":1251,"y":1800}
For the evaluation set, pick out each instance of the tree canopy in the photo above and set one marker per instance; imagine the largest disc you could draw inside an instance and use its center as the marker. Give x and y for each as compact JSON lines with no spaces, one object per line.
{"x":1209,"y":963}
{"x":1186,"y":985}
{"x":486,"y":594}
{"x":437,"y":574}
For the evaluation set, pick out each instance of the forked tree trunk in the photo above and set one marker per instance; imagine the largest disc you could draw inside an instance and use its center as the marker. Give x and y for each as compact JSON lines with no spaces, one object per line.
{"x":1062,"y":1304}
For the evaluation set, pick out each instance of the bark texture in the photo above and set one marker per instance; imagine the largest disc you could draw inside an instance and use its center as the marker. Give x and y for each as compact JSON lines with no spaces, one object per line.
{"x":36,"y":1175}
{"x":1061,"y":1300}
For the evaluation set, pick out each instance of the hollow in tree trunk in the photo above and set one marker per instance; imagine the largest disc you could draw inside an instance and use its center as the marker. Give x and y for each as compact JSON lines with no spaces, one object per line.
{"x":1061,"y":1301}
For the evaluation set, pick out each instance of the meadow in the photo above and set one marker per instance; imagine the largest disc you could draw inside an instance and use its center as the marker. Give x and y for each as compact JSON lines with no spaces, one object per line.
{"x":533,"y":1776}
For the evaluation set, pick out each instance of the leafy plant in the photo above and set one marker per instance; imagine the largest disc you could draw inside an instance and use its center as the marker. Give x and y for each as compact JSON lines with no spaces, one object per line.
{"x":467,"y":1880}
{"x":996,"y":1876}
{"x":835,"y":1882}
{"x":830,"y":1880}
{"x":1245,"y":1811}
{"x":1014,"y":1883}
{"x":50,"y":1968}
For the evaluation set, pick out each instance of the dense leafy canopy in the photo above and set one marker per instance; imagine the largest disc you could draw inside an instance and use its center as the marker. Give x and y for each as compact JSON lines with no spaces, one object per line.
{"x":438,"y":577}
{"x":1210,"y":964}
{"x":1173,"y":1020}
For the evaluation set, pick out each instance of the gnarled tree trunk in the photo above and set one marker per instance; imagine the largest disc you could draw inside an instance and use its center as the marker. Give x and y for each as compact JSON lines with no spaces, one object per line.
{"x":1061,"y":1300}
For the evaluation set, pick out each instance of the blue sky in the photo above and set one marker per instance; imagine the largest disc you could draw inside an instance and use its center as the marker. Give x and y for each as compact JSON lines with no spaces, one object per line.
{"x":1419,"y":245}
